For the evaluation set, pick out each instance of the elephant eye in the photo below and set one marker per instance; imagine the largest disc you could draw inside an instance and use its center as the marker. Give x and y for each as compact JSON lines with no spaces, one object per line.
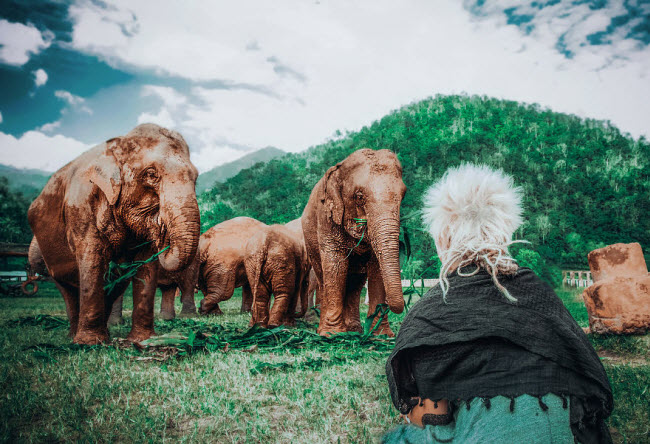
{"x":151,"y":175}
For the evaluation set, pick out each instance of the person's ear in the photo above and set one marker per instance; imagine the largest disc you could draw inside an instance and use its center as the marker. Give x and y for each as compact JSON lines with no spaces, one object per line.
{"x":330,"y":194}
{"x":105,"y":173}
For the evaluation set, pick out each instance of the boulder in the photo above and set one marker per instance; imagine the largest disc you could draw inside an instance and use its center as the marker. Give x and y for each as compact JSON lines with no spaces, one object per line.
{"x":619,"y":300}
{"x":618,"y":260}
{"x":619,"y":306}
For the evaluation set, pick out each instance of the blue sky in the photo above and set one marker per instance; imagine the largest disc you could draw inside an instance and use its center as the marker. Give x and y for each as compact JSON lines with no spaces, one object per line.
{"x":234,"y":77}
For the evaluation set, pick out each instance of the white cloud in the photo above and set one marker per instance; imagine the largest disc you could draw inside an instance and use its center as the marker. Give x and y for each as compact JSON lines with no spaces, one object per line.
{"x":37,"y":150}
{"x":163,"y":118}
{"x":0,"y":117}
{"x":170,"y":97}
{"x":75,"y":102}
{"x":18,"y":42}
{"x":48,"y":127}
{"x":40,"y":77}
{"x":211,"y":156}
{"x":172,"y":100}
{"x":295,"y":72}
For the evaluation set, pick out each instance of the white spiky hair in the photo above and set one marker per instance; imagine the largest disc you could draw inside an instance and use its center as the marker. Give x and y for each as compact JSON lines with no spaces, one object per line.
{"x":473,"y":211}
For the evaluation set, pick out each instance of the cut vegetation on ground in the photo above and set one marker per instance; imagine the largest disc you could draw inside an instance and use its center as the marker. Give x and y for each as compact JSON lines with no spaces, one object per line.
{"x":208,"y":380}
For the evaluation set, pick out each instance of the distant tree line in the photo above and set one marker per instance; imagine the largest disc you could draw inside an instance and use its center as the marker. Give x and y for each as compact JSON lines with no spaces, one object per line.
{"x":585,"y":183}
{"x":13,"y":215}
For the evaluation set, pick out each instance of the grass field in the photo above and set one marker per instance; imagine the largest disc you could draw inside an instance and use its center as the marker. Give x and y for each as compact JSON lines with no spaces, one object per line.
{"x":52,"y":392}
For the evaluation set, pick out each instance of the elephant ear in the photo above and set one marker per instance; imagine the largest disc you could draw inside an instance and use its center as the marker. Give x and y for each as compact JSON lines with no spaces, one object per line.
{"x":330,"y":194}
{"x":105,"y":173}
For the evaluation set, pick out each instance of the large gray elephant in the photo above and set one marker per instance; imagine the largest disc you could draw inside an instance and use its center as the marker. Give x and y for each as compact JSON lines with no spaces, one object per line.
{"x":351,"y":227}
{"x":123,"y":200}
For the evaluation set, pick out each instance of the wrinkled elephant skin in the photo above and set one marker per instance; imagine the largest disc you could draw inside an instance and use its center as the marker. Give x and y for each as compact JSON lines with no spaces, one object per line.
{"x":123,"y":200}
{"x":222,"y":250}
{"x":367,"y":185}
{"x":276,"y":264}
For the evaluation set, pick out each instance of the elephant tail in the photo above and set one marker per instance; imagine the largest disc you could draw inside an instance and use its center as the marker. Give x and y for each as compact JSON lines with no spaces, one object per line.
{"x":256,"y":253}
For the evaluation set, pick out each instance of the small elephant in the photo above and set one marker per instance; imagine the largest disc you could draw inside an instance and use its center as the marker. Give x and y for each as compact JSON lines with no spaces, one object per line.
{"x":222,"y":251}
{"x":124,"y":200}
{"x":276,"y":263}
{"x":169,"y":283}
{"x":351,"y":226}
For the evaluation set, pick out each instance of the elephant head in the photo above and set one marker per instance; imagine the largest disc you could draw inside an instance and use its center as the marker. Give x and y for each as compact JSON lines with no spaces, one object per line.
{"x":148,"y":181}
{"x":368,"y":185}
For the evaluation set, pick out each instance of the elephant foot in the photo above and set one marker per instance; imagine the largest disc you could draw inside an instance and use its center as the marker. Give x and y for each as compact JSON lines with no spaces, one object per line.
{"x":327,"y":331}
{"x":354,"y":327}
{"x":167,"y":316}
{"x":139,"y":335}
{"x":209,"y":309}
{"x":216,"y":311}
{"x":187,"y":313}
{"x":384,"y":330}
{"x":115,"y":320}
{"x":289,"y":322}
{"x":260,"y":324}
{"x":89,"y":337}
{"x":245,"y":310}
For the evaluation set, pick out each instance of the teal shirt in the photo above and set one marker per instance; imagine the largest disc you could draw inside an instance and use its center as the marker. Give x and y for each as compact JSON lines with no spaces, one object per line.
{"x":527,"y":423}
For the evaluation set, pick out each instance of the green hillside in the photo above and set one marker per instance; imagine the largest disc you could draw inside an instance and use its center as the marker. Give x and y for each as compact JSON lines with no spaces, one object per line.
{"x":223,"y":172}
{"x":29,"y":182}
{"x":586,"y":184}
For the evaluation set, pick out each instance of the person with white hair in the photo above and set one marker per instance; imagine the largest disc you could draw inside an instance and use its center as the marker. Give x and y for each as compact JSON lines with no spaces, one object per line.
{"x":491,"y":355}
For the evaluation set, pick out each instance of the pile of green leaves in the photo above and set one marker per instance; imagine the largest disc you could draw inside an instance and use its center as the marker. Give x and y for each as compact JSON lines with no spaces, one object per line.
{"x":190,"y":336}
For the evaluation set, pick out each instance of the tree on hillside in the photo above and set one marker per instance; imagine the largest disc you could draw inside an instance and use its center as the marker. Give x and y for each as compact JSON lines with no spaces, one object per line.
{"x":13,"y":215}
{"x":585,"y":183}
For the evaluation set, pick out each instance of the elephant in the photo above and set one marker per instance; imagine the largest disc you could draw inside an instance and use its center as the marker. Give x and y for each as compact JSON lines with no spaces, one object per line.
{"x":276,"y":263}
{"x":222,"y":251}
{"x":169,"y":283}
{"x":127,"y":199}
{"x":351,"y":226}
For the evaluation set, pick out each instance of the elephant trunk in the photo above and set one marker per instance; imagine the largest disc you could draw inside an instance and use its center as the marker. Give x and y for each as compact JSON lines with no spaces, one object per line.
{"x":384,"y":238}
{"x":179,"y":213}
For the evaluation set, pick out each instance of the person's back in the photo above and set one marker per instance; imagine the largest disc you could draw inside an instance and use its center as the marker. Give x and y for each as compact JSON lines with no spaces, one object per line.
{"x":492,"y":354}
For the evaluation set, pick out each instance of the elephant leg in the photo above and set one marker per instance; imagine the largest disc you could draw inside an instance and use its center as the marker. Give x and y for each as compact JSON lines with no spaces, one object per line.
{"x":167,"y":311}
{"x":355,"y":283}
{"x":220,"y":285}
{"x":260,"y":307}
{"x":71,"y":297}
{"x":144,"y":290}
{"x":115,"y":316}
{"x":246,"y":298}
{"x":92,"y":328}
{"x":377,"y":295}
{"x":187,"y":299}
{"x":335,"y":269}
{"x":114,"y":305}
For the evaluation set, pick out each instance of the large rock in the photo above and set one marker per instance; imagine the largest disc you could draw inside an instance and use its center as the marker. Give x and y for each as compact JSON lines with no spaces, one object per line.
{"x":619,"y":300}
{"x":620,"y":305}
{"x":618,"y":260}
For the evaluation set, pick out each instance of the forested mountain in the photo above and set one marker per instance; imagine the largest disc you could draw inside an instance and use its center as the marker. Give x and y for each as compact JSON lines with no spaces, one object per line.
{"x":223,"y":172}
{"x":29,"y":182}
{"x":586,"y":184}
